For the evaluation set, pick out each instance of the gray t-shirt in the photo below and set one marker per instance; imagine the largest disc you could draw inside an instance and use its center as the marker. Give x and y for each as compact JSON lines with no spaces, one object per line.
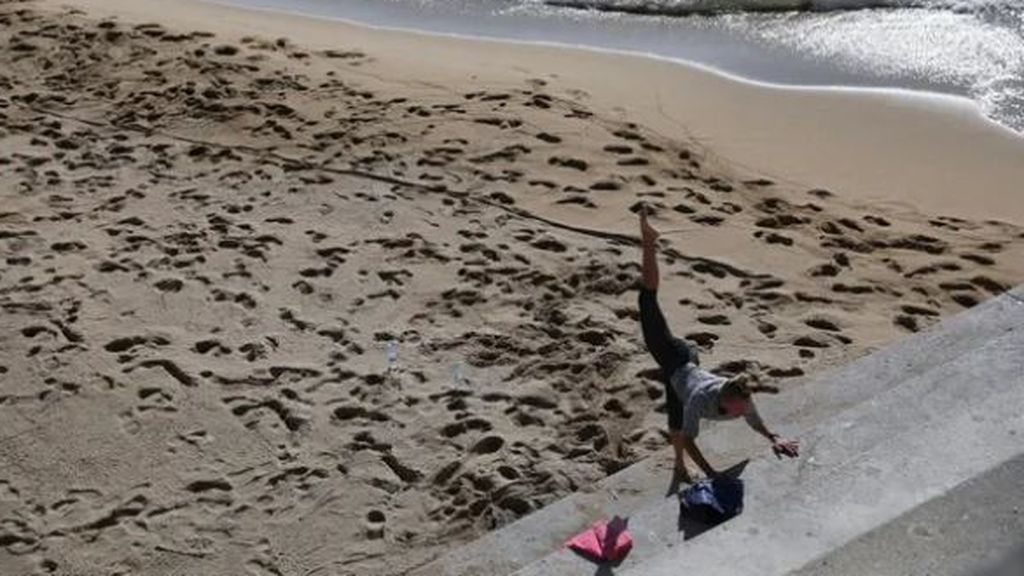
{"x":698,"y":391}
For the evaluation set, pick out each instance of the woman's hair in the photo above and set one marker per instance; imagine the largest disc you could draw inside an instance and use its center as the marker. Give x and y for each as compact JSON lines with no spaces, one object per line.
{"x":739,"y":387}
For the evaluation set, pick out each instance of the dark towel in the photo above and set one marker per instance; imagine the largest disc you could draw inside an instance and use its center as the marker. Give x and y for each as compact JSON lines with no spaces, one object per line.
{"x":713,"y":501}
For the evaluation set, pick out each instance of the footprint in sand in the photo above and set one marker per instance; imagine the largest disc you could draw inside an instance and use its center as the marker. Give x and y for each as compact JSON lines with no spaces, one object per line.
{"x":965,"y":300}
{"x":488,"y":445}
{"x":791,"y":372}
{"x":714,"y":320}
{"x":573,"y":163}
{"x":906,"y":321}
{"x":636,"y":161}
{"x":578,"y":201}
{"x":606,"y":186}
{"x":978,"y":259}
{"x":170,"y":285}
{"x":918,"y":311}
{"x":618,"y":149}
{"x":811,"y":341}
{"x":456,"y":429}
{"x":707,"y":220}
{"x":822,"y":324}
{"x":215,"y":346}
{"x":617,"y":408}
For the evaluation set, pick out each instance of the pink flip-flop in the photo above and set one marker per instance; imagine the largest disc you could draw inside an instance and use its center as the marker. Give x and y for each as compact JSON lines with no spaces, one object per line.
{"x":603,"y":541}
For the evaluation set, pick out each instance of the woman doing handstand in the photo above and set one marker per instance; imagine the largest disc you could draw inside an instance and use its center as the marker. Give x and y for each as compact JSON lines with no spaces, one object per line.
{"x":692,"y":392}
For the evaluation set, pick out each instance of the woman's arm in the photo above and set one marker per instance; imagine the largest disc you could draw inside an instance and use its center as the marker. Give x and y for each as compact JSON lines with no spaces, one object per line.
{"x":754,"y":420}
{"x":780,"y":446}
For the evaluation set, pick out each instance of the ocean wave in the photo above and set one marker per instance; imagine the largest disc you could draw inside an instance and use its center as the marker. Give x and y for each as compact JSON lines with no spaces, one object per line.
{"x":680,"y":8}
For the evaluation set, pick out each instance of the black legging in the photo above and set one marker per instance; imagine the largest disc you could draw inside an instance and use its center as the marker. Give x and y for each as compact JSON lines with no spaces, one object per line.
{"x":670,"y":352}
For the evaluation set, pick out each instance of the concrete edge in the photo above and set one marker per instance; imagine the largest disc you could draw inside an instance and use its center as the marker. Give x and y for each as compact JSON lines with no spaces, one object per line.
{"x":838,"y":504}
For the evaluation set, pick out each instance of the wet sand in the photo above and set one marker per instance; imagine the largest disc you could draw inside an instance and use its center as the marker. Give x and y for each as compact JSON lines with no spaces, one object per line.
{"x":212,"y":222}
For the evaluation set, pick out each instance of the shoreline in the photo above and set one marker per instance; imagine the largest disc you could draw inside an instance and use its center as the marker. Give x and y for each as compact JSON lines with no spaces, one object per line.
{"x":942,"y":98}
{"x":720,"y":47}
{"x":896,"y":136}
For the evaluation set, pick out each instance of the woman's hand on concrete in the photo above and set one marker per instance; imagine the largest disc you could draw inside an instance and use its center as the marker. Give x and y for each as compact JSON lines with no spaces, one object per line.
{"x":782,"y":447}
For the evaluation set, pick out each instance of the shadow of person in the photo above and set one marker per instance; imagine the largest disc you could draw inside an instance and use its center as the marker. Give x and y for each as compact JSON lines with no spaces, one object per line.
{"x":604,"y":568}
{"x":737,"y":470}
{"x":690,"y":524}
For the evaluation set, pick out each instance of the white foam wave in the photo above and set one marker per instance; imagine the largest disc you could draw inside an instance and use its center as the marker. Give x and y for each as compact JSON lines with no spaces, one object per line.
{"x":974,"y":47}
{"x":938,"y":46}
{"x":688,"y":7}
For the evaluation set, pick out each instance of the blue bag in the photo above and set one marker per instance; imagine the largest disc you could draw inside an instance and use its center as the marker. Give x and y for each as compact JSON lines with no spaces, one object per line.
{"x":715,"y":500}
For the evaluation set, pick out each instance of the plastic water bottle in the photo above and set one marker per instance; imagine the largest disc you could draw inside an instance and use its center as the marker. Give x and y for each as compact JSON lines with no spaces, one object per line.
{"x":458,"y":373}
{"x":392,"y":355}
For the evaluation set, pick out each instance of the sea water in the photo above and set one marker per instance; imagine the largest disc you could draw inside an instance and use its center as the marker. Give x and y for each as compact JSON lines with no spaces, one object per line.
{"x":973,"y":48}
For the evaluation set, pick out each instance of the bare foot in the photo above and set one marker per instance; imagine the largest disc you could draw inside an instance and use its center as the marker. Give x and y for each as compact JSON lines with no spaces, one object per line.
{"x":682,"y":474}
{"x":647,"y":233}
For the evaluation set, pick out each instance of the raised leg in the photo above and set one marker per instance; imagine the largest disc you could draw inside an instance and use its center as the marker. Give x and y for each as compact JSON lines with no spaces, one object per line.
{"x":649,"y":238}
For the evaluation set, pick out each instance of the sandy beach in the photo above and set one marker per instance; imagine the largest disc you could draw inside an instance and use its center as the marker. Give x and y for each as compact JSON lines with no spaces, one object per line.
{"x":213,"y":221}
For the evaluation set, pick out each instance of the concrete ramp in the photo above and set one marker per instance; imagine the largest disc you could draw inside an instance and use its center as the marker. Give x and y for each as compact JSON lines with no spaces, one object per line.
{"x":914,"y":428}
{"x":965,"y":532}
{"x":941,"y":429}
